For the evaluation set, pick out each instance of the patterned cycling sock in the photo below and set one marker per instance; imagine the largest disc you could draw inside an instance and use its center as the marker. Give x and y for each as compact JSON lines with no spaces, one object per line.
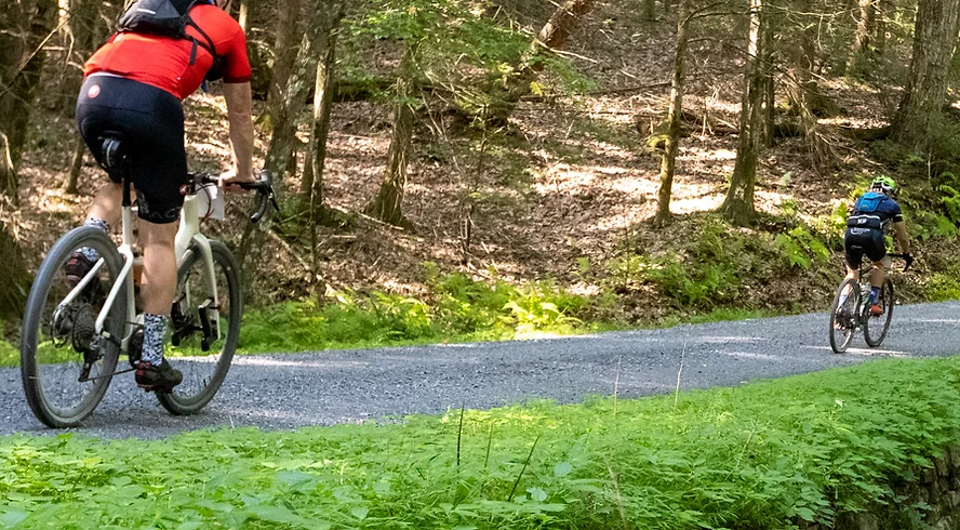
{"x":90,"y":253}
{"x":154,"y":329}
{"x":874,"y":294}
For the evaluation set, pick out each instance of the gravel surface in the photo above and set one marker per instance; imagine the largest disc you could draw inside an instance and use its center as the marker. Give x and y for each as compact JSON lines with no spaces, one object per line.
{"x":291,"y":390}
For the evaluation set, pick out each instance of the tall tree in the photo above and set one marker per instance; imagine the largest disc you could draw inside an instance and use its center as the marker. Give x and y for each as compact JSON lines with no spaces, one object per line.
{"x":668,"y":162}
{"x":327,"y":17}
{"x":387,"y":206}
{"x":24,"y":26}
{"x":738,"y":206}
{"x":935,"y":36}
{"x":860,"y":51}
{"x":289,"y":35}
{"x":81,"y":30}
{"x":13,"y":290}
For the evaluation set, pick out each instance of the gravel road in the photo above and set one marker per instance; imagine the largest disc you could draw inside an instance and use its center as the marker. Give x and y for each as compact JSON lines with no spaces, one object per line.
{"x":291,"y":390}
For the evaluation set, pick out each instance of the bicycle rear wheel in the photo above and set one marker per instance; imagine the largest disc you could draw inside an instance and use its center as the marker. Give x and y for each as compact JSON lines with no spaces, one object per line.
{"x":206,"y":329}
{"x":66,"y":368}
{"x":875,"y":327}
{"x":843,"y":317}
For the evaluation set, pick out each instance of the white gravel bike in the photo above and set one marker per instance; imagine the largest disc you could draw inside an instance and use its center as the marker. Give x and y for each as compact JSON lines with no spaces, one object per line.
{"x":74,"y":335}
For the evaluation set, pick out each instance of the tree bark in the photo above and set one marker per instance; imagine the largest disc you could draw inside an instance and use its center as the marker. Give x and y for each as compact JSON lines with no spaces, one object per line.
{"x":934,"y":38}
{"x":387,"y":206}
{"x":649,"y":10}
{"x":311,"y":187}
{"x":16,"y":284}
{"x":860,"y":49}
{"x":564,"y":21}
{"x":884,"y":9}
{"x":286,"y":46}
{"x":23,"y":27}
{"x":738,"y":207}
{"x":668,"y":162}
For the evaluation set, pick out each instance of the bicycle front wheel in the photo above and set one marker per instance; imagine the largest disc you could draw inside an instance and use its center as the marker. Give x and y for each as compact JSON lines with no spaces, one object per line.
{"x":66,"y":366}
{"x":875,"y":327}
{"x":205,"y":328}
{"x":843,"y":315}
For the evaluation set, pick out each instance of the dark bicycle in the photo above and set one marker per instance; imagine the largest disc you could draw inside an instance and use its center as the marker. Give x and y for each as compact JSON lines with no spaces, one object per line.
{"x":854,"y":313}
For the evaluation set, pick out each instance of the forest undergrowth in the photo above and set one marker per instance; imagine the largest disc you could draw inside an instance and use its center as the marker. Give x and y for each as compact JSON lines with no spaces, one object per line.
{"x":543,"y":224}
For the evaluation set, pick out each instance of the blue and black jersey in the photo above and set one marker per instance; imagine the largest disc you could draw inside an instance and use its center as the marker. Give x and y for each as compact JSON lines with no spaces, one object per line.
{"x":874,"y":210}
{"x":871,"y":217}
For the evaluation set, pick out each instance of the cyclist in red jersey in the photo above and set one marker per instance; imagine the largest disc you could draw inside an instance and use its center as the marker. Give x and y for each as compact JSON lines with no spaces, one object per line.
{"x":134,"y":85}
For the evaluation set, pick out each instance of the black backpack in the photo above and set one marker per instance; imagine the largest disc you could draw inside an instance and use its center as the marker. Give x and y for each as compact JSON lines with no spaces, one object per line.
{"x":170,"y":18}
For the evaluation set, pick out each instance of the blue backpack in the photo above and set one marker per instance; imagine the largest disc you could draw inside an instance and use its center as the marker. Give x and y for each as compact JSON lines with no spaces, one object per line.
{"x":865,"y":211}
{"x":870,"y":202}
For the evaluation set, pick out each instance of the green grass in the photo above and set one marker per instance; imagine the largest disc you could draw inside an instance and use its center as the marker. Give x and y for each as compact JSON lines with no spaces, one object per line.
{"x":764,"y":455}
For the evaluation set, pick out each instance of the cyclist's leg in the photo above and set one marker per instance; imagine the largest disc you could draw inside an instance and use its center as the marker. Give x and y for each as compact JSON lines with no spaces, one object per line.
{"x":158,"y":285}
{"x":159,"y":169}
{"x":877,"y":251}
{"x":853,"y":257}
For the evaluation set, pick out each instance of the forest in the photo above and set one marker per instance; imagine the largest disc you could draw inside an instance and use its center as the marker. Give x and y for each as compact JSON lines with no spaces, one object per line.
{"x":490,"y":169}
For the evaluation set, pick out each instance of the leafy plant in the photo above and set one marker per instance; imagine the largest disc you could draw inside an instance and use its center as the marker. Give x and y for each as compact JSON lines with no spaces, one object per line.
{"x":800,"y":248}
{"x":815,"y":448}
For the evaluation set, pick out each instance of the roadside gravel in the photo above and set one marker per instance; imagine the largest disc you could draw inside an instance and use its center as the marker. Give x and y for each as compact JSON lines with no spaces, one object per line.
{"x":286,"y":391}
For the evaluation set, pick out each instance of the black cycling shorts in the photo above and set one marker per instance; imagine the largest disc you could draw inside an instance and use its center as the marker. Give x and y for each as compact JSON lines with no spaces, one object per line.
{"x":150,"y":122}
{"x":860,"y":241}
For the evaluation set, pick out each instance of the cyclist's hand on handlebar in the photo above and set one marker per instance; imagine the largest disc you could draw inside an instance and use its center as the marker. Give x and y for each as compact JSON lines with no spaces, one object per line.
{"x":908,"y":258}
{"x":229,"y":180}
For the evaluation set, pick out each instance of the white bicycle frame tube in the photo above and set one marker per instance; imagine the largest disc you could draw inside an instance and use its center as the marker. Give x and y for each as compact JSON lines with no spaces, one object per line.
{"x":126,"y":272}
{"x":187,"y":234}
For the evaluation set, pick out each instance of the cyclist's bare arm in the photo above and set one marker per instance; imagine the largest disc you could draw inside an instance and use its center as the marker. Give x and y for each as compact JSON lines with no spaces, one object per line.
{"x":240,"y":116}
{"x":900,"y":231}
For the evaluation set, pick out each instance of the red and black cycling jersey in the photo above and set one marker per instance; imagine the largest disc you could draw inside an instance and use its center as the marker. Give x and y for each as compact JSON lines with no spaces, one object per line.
{"x":164,"y":62}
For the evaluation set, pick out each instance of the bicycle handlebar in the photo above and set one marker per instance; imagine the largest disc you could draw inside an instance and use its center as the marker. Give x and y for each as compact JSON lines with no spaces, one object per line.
{"x":263,"y":187}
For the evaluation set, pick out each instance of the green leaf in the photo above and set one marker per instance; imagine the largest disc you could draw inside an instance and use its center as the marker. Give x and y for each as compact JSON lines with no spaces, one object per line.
{"x":360,"y":512}
{"x":13,"y":517}
{"x":562,"y":469}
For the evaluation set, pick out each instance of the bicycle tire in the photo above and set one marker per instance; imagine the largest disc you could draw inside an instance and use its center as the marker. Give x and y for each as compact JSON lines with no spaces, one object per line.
{"x":46,"y":368}
{"x":197,"y":390}
{"x":871,"y":322}
{"x":842,"y":329}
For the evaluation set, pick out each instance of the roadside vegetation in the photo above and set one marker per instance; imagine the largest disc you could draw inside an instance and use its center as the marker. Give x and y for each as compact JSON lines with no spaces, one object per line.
{"x":725,"y":458}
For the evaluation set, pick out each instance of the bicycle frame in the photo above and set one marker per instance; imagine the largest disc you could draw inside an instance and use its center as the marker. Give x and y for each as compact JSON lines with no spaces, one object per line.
{"x":188,"y":234}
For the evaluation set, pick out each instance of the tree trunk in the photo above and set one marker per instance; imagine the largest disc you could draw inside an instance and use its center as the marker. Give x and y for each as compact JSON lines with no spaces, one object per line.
{"x":311,"y":187}
{"x":16,"y":284}
{"x":668,"y":162}
{"x":934,"y":38}
{"x":768,"y":86}
{"x":24,"y":26}
{"x":649,"y":10}
{"x":71,"y":184}
{"x":859,"y":57}
{"x":564,"y":21}
{"x":281,"y":153}
{"x":880,"y":28}
{"x":738,"y":206}
{"x":81,"y":29}
{"x":387,"y":206}
{"x":289,"y":36}
{"x":243,"y":15}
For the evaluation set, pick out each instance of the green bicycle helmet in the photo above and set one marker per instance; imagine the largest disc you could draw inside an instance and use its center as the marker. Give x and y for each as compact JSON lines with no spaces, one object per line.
{"x":884,"y":183}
